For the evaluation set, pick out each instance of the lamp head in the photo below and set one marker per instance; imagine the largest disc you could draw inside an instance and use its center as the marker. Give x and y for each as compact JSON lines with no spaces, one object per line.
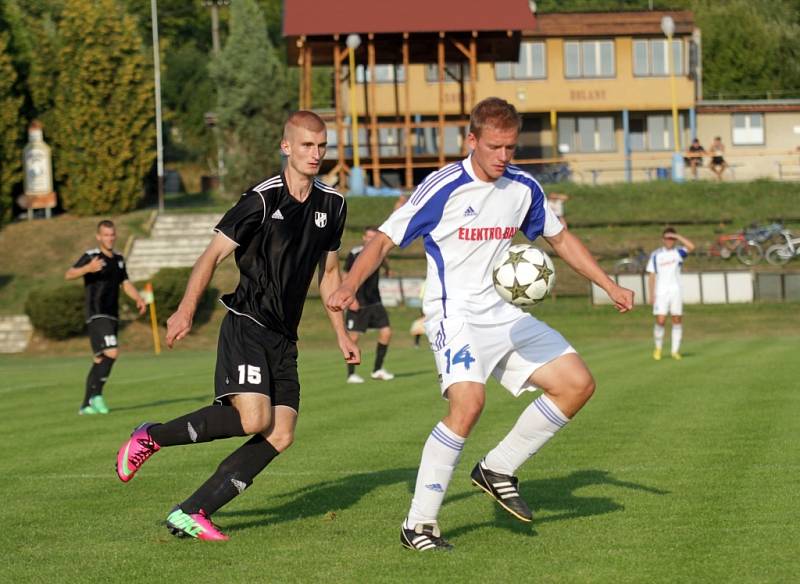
{"x":667,"y":25}
{"x":353,"y":41}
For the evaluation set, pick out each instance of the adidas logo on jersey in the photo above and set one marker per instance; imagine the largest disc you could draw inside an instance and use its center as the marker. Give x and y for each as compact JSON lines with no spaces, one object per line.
{"x":277,"y":215}
{"x":470,"y":212}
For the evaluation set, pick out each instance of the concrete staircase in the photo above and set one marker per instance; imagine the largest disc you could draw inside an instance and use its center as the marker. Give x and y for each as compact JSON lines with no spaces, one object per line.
{"x":175,"y":241}
{"x":15,"y":332}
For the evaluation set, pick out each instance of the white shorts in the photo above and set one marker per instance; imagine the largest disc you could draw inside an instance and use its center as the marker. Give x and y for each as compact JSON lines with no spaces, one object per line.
{"x":669,"y":302}
{"x":510,"y":351}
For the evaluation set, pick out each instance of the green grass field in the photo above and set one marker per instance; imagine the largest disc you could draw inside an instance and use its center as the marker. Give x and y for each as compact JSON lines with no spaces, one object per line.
{"x":674,"y":472}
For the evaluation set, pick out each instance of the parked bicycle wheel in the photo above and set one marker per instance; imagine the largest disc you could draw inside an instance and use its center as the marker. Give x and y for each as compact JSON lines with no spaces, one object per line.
{"x":779,"y":254}
{"x":749,"y":253}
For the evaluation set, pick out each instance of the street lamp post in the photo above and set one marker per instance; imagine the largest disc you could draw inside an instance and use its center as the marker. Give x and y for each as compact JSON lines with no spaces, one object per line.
{"x":353,"y":41}
{"x":668,"y":28}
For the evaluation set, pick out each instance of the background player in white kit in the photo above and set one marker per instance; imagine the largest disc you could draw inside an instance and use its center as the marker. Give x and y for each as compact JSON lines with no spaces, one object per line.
{"x":467,"y":213}
{"x":664,"y":287}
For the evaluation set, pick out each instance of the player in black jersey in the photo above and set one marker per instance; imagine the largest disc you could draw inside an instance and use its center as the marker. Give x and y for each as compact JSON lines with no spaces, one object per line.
{"x":103,"y":271}
{"x":368,"y":312}
{"x":280,"y":230}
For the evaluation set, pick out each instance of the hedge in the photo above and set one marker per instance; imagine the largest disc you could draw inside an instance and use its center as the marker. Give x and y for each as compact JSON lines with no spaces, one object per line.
{"x":57,"y":312}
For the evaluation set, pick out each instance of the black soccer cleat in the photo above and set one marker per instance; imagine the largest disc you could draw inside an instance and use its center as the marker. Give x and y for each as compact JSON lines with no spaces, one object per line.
{"x":424,"y":537}
{"x":503,"y":489}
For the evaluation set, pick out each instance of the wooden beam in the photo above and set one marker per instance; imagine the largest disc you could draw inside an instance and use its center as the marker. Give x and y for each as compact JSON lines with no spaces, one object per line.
{"x":373,"y":114}
{"x":441,"y":97}
{"x":301,"y":93}
{"x":308,"y":62}
{"x":337,"y":99}
{"x":473,"y":69}
{"x":407,"y":116}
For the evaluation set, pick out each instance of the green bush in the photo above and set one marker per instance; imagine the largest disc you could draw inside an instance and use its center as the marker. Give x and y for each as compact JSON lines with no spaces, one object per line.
{"x":57,"y":312}
{"x":169,"y":284}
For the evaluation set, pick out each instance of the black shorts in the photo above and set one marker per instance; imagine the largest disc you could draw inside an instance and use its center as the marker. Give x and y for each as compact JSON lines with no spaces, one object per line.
{"x":368,"y":317}
{"x":255,"y":359}
{"x":103,"y":334}
{"x":717,"y":161}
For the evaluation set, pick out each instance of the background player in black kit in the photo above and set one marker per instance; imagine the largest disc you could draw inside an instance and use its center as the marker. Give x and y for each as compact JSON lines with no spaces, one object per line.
{"x":368,"y":312}
{"x":281,"y":230}
{"x":102,"y":270}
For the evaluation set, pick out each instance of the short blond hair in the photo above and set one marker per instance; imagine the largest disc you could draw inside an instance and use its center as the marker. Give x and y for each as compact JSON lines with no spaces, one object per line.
{"x":493,"y":112}
{"x":303,"y":119}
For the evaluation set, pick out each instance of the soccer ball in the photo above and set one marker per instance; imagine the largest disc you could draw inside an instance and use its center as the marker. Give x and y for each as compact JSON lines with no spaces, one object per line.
{"x":524,"y":275}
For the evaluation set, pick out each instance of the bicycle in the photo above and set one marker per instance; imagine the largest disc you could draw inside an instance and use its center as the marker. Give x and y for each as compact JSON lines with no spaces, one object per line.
{"x":635,"y":263}
{"x":750,"y":251}
{"x":780,"y":253}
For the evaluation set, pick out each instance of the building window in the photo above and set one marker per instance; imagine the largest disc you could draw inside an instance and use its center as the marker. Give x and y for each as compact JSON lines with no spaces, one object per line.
{"x":650,"y":57}
{"x":748,"y":129}
{"x":586,"y":134}
{"x":653,"y":132}
{"x":452,"y":72}
{"x":590,"y":59}
{"x":531,"y":63}
{"x":383,"y":73}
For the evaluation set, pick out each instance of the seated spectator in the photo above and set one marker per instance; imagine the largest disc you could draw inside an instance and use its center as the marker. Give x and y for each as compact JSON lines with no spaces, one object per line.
{"x":718,"y":164}
{"x":556,"y":203}
{"x":694,"y":156}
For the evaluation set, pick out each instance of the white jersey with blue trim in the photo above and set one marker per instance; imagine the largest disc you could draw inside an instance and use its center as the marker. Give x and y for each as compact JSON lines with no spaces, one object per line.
{"x":666,"y":265}
{"x":466,"y":225}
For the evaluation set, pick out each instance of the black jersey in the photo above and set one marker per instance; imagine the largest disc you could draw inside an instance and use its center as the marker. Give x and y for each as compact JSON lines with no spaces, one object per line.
{"x":281,"y":242}
{"x":369,"y":292}
{"x":102,"y":288}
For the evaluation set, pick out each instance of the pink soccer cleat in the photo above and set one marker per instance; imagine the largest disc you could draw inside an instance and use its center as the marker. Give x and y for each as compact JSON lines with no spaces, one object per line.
{"x":197,"y":525}
{"x":136,"y":450}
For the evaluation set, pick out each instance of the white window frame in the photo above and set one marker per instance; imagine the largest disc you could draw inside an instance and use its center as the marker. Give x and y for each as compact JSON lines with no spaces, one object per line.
{"x":598,"y":43}
{"x":515,"y":68}
{"x":679,"y":60}
{"x":749,"y":135}
{"x":384,"y":73}
{"x":575,"y":144}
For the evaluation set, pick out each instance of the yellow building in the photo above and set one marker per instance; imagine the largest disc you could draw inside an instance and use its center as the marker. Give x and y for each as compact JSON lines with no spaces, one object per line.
{"x":597,"y":91}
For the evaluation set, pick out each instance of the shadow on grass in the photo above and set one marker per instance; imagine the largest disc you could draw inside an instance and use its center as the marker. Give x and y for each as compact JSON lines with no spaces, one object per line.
{"x":5,"y":280}
{"x":164,"y":402}
{"x":320,"y":499}
{"x":554,"y":499}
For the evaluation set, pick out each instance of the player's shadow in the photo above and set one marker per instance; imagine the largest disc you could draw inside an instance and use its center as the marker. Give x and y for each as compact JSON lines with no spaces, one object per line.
{"x":5,"y":280}
{"x":404,"y":374}
{"x":319,"y":500}
{"x":554,"y":499}
{"x":162,"y":402}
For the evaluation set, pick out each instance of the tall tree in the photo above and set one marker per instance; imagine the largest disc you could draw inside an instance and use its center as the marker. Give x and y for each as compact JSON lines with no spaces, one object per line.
{"x":253,"y":99}
{"x":104,"y":135}
{"x":10,"y":130}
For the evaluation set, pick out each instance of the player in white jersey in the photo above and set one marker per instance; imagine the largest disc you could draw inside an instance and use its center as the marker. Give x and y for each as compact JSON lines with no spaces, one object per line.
{"x":664,"y":287}
{"x":467,"y":213}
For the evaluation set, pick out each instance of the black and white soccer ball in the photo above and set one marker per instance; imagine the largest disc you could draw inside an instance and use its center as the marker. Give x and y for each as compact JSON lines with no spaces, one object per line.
{"x":524,"y":276}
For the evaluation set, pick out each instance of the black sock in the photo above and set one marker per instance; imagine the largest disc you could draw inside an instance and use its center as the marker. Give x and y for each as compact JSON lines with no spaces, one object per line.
{"x":380,"y":353}
{"x":97,"y":377}
{"x":232,"y":477}
{"x":416,"y":339}
{"x":204,"y":425}
{"x":350,"y":369}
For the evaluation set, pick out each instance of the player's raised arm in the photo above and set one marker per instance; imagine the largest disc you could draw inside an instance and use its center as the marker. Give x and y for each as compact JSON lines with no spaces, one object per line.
{"x":330,"y":280}
{"x":367,"y":262}
{"x":571,"y":250}
{"x":180,"y":323}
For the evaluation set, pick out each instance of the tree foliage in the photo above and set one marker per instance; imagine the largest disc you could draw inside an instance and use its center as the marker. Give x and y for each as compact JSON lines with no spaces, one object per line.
{"x":104,"y":135}
{"x":10,"y":130}
{"x":253,"y":101}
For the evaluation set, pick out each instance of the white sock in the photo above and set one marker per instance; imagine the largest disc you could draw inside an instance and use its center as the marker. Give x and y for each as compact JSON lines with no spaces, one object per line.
{"x":537,"y":424}
{"x":439,"y":458}
{"x":677,"y":335}
{"x":658,"y":335}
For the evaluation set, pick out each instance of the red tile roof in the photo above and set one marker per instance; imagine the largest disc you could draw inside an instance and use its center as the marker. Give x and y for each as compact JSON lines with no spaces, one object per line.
{"x":318,"y":17}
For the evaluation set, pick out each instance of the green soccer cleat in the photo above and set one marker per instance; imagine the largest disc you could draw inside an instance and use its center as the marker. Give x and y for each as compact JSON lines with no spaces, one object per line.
{"x":87,"y":411}
{"x":99,"y":404}
{"x":197,"y":525}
